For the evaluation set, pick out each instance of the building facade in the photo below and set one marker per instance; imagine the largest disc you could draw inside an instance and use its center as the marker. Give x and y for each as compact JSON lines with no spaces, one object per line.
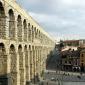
{"x":82,"y":60}
{"x":71,"y":43}
{"x":82,"y":43}
{"x":71,"y":60}
{"x":24,"y":45}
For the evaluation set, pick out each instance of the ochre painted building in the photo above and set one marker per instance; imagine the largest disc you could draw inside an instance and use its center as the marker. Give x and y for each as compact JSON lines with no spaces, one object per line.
{"x":24,"y":45}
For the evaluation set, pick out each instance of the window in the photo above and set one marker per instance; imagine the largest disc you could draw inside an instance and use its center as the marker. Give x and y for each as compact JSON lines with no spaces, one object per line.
{"x":82,"y":60}
{"x":82,"y":55}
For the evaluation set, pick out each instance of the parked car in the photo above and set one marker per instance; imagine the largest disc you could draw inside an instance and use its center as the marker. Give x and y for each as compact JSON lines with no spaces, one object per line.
{"x":53,"y":79}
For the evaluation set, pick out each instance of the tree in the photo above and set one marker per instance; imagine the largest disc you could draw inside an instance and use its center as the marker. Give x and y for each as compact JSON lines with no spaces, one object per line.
{"x":61,"y":45}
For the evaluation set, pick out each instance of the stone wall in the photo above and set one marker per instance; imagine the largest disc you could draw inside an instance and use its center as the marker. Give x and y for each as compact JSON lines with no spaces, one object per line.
{"x":24,"y":45}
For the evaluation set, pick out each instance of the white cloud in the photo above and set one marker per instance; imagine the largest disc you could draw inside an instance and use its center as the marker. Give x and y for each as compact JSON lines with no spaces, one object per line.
{"x":43,"y":17}
{"x":71,"y":3}
{"x":66,"y":17}
{"x":58,"y":36}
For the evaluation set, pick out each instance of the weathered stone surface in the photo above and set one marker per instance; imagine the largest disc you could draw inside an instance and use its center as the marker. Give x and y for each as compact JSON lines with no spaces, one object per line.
{"x":24,"y":45}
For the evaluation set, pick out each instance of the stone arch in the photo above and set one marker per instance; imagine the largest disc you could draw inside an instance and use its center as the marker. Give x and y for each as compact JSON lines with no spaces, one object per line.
{"x":3,"y":64}
{"x":29,"y":35}
{"x":39,"y":33}
{"x":21,"y":66}
{"x":25,"y":48}
{"x":20,"y":48}
{"x":26,"y":55}
{"x":30,"y":47}
{"x":11,"y":25}
{"x":3,"y":60}
{"x":41,"y":37}
{"x":30,"y":54}
{"x":37,"y":63}
{"x":13,"y":69}
{"x":32,"y":33}
{"x":25,"y":29}
{"x":2,"y":12}
{"x":35,"y":32}
{"x":19,"y":28}
{"x":32,"y":62}
{"x":2,"y":22}
{"x":26,"y":63}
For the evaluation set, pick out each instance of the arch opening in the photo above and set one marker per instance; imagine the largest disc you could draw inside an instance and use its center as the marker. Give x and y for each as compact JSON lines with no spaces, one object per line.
{"x":35,"y":33}
{"x":11,"y":25}
{"x":13,"y":69}
{"x":30,"y":54}
{"x":3,"y":65}
{"x":25,"y":30}
{"x":26,"y":63}
{"x":29,"y":29}
{"x":2,"y":22}
{"x":21,"y":66}
{"x":3,"y":60}
{"x":32,"y":33}
{"x":19,"y":28}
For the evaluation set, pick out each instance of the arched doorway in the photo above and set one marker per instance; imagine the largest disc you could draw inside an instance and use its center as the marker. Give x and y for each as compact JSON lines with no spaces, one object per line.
{"x":11,"y":24}
{"x":13,"y":69}
{"x":2,"y":22}
{"x":21,"y":67}
{"x":19,"y":28}
{"x":3,"y":65}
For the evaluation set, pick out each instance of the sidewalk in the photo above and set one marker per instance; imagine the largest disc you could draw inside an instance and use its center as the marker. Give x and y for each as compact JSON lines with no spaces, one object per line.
{"x":71,"y":73}
{"x":66,"y":72}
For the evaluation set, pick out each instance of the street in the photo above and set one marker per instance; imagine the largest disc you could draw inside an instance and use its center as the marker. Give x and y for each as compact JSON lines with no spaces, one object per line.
{"x":53,"y":78}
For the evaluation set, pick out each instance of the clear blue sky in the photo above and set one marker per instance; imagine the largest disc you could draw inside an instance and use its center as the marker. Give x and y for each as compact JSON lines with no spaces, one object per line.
{"x":63,"y":19}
